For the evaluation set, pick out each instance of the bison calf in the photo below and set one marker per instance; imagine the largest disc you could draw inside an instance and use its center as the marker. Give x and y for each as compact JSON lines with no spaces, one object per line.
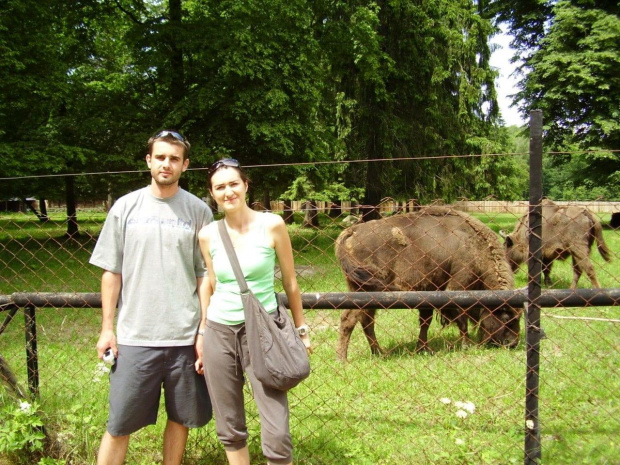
{"x":566,"y":231}
{"x":435,"y":248}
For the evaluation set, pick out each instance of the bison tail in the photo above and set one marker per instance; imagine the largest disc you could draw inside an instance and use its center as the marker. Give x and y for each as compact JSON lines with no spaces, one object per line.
{"x":601,"y":245}
{"x":364,"y":279}
{"x":359,"y":277}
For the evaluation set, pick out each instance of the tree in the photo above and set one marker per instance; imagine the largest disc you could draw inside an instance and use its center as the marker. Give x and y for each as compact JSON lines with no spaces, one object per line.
{"x":269,"y":81}
{"x":33,"y":81}
{"x":411,"y":79}
{"x":256,"y":86}
{"x":572,"y":75}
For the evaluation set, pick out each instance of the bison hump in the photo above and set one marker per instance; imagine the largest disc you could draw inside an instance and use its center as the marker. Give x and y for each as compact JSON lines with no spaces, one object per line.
{"x":399,"y":236}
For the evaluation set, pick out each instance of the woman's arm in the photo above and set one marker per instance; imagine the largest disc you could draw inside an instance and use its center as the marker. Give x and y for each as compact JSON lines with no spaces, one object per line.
{"x":284,"y":252}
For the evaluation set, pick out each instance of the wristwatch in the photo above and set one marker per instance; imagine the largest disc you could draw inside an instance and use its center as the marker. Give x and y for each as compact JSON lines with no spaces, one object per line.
{"x":302,"y":330}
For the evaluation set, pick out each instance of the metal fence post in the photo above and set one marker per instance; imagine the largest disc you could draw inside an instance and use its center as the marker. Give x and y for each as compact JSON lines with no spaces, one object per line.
{"x":32,"y":356}
{"x":532,"y":324}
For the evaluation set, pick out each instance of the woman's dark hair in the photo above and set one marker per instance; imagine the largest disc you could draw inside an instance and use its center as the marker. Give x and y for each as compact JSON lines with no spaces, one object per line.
{"x":226,"y":163}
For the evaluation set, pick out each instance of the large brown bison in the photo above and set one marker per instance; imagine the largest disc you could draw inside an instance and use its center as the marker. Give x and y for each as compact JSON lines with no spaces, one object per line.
{"x":435,"y":248}
{"x":566,"y":231}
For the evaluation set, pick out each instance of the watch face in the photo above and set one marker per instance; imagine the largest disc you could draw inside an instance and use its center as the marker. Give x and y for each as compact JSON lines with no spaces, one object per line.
{"x":302,"y":331}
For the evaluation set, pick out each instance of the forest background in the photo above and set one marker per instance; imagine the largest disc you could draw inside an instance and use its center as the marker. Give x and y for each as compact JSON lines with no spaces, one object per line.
{"x":304,"y":85}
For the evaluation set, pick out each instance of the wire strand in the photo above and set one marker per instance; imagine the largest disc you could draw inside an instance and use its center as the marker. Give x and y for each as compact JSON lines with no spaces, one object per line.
{"x":312,"y":163}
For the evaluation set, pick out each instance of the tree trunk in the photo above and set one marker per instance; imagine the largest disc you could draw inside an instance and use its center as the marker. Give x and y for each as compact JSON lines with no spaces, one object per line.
{"x":266,"y":201}
{"x":43,"y":209}
{"x":374,"y":186}
{"x":288,"y":212}
{"x":373,"y":142}
{"x":177,"y":69}
{"x":72,"y":224}
{"x":336,"y":209}
{"x":110,"y":199}
{"x":311,"y":219}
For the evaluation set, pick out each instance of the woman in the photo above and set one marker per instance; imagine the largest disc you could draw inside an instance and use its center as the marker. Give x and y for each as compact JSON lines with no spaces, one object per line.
{"x":258,"y":238}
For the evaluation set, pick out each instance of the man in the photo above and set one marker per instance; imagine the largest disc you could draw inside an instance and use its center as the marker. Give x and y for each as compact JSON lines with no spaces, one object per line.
{"x":152,"y":268}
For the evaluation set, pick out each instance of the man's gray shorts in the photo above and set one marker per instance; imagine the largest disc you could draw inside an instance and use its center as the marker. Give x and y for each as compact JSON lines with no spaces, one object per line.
{"x":135,"y":388}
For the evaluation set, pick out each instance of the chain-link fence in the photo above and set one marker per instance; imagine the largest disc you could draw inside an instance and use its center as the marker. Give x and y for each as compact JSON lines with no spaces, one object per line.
{"x":447,"y":383}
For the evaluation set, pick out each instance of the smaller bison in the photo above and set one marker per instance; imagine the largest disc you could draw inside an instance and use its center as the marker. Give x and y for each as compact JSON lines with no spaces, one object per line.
{"x":566,"y":231}
{"x":435,"y":248}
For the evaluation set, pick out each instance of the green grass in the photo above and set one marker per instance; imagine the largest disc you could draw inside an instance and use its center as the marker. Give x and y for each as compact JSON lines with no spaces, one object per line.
{"x":38,"y":257}
{"x":371,"y":410}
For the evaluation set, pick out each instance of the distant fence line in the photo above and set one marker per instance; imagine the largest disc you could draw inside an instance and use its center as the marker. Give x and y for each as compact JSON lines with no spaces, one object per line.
{"x":518,"y":207}
{"x":387,"y":206}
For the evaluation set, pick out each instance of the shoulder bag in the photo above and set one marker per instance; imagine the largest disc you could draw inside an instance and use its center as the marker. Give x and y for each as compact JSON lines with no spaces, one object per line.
{"x":278,"y":355}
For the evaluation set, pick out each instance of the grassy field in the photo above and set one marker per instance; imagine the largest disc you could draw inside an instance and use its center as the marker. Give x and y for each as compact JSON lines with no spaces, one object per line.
{"x":463,"y":405}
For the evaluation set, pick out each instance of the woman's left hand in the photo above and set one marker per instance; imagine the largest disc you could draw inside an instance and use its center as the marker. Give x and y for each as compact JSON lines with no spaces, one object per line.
{"x":306,"y":340}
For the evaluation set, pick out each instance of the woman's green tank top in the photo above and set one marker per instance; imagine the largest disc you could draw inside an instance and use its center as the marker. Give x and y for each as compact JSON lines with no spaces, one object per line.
{"x":257,"y":260}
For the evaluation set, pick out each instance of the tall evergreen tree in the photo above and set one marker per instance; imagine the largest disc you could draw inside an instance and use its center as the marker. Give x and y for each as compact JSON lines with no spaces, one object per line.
{"x":571,"y":62}
{"x":412,"y":80}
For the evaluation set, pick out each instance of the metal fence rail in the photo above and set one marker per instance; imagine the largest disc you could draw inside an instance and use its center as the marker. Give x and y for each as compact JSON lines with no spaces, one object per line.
{"x":457,"y":300}
{"x":377,"y":300}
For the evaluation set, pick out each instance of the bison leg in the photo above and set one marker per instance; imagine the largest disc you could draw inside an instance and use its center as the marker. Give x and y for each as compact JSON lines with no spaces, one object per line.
{"x":576,"y":276}
{"x":546,"y":269}
{"x":426,"y":315}
{"x":368,"y":325}
{"x":461,"y":322}
{"x":348,"y":320}
{"x":581,"y":262}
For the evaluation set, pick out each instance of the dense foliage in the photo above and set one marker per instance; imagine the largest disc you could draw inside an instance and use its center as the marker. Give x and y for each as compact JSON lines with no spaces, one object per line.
{"x":570,"y":52}
{"x":85,"y":82}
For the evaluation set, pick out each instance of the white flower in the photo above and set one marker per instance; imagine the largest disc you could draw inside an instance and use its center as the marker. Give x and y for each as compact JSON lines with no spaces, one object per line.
{"x":100,"y":370}
{"x":24,"y":406}
{"x":469,"y":406}
{"x":529,"y":424}
{"x":461,"y":414}
{"x":445,"y":400}
{"x":459,"y":442}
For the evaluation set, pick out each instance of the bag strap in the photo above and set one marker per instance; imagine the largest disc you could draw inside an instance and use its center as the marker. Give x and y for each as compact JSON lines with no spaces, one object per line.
{"x":232,"y":256}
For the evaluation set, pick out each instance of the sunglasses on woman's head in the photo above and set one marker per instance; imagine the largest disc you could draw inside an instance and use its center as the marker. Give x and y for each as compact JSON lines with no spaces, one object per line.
{"x":231,"y":162}
{"x":177,"y":135}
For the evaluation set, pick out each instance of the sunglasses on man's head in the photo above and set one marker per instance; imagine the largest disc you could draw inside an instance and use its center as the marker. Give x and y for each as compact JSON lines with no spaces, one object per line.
{"x":224,"y":162}
{"x":177,"y":135}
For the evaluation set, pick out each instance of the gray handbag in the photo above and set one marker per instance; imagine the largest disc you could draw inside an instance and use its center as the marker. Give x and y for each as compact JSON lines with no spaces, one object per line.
{"x":278,"y":356}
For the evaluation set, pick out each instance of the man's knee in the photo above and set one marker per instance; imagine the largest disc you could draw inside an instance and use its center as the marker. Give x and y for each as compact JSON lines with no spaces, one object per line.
{"x":118,"y":437}
{"x":113,"y":449}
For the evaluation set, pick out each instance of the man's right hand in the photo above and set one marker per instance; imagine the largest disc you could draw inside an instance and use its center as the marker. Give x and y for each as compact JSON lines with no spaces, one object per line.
{"x":107,"y":340}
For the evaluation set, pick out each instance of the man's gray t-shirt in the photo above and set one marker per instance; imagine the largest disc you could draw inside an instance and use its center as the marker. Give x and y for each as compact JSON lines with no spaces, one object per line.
{"x":153,"y":244}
